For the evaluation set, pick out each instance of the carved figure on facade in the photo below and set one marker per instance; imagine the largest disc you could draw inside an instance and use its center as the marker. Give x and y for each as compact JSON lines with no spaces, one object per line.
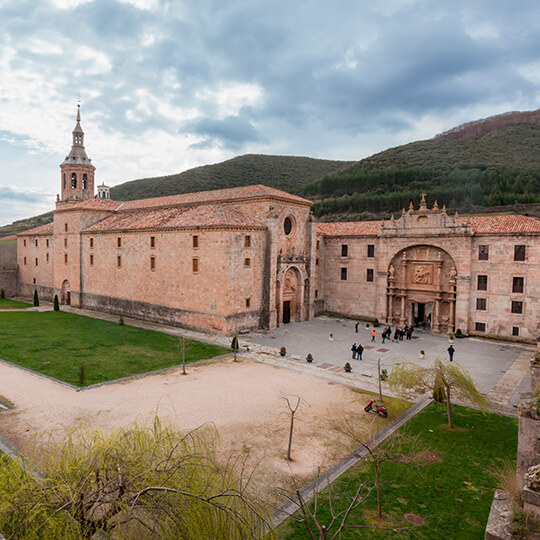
{"x":391,"y":272}
{"x":422,"y":274}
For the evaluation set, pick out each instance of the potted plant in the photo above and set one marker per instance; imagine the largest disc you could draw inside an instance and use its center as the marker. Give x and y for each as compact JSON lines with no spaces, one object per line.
{"x":309,"y":358}
{"x":367,"y":325}
{"x":283,"y":351}
{"x":347,"y":367}
{"x":451,"y":339}
{"x":422,"y":354}
{"x":376,"y":322}
{"x":331,"y":337}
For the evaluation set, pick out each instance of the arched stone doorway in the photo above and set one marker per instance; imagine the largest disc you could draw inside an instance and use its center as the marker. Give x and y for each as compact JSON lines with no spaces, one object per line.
{"x":291,"y":301}
{"x":65,"y":293}
{"x":422,"y":288}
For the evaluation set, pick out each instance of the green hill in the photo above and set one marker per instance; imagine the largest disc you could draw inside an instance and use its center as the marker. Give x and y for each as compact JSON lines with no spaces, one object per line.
{"x":497,"y":171}
{"x":283,"y":172}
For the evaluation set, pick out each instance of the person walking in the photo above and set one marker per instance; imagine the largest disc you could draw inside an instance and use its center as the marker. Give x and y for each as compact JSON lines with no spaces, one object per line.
{"x":356,"y":327}
{"x":383,"y":335}
{"x":373,"y":335}
{"x":354,"y":351}
{"x":359,"y":351}
{"x":451,"y":352}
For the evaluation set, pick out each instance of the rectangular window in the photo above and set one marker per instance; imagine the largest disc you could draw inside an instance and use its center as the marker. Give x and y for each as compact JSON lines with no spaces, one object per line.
{"x":91,"y":260}
{"x":119,"y":242}
{"x":480,"y":326}
{"x":247,"y":262}
{"x":369,"y":274}
{"x":344,"y":250}
{"x":65,"y":242}
{"x":247,"y":241}
{"x":24,"y":242}
{"x":195,"y":241}
{"x":195,"y":264}
{"x":91,"y":242}
{"x":47,"y":257}
{"x":34,"y":281}
{"x":24,"y":260}
{"x":519,"y":253}
{"x":483,"y":253}
{"x":47,"y":242}
{"x":317,"y":261}
{"x":481,"y":304}
{"x":248,"y":302}
{"x":515,"y":331}
{"x":37,"y":261}
{"x":152,"y":241}
{"x":343,"y":274}
{"x":318,"y":244}
{"x":66,"y":227}
{"x":517,"y":307}
{"x":482,"y":283}
{"x":316,"y":293}
{"x":371,"y":250}
{"x":65,"y":258}
{"x":36,"y":242}
{"x":119,"y":261}
{"x":517,"y":284}
{"x":152,"y":263}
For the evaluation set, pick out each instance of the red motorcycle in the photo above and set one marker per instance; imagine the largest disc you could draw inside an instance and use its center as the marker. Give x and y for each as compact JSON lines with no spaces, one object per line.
{"x":378,"y":409}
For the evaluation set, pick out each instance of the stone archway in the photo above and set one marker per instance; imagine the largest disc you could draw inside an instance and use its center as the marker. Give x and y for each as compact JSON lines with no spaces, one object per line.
{"x":422,"y":288}
{"x":290,"y":305}
{"x":65,"y":293}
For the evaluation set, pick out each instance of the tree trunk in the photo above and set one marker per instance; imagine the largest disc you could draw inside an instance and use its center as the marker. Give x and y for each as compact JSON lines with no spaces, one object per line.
{"x":290,"y":437}
{"x":449,"y":408}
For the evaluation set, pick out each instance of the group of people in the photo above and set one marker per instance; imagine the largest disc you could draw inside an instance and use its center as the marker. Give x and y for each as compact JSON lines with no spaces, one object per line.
{"x":357,"y":351}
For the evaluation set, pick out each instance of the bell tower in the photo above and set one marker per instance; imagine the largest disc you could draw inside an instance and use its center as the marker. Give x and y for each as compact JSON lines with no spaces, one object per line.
{"x":77,"y":171}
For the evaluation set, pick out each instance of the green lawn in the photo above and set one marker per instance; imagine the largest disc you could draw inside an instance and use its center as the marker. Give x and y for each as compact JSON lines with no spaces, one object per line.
{"x":56,"y":343}
{"x":453,"y":496}
{"x":6,"y":303}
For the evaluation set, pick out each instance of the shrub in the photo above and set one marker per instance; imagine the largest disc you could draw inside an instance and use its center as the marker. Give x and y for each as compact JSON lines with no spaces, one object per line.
{"x":384,"y":375}
{"x":367,"y":325}
{"x":376,"y":322}
{"x":56,"y":304}
{"x":459,"y":333}
{"x":234,"y":343}
{"x":438,"y":394}
{"x":422,"y":352}
{"x":36,"y":298}
{"x":309,"y":357}
{"x":347,"y":367}
{"x":283,"y":351}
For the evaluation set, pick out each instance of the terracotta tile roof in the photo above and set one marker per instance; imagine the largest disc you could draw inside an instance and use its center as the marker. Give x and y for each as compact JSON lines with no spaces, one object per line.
{"x":211,"y":215}
{"x":504,"y":224}
{"x":93,"y":204}
{"x":218,"y":195}
{"x":42,"y":230}
{"x":349,"y":228}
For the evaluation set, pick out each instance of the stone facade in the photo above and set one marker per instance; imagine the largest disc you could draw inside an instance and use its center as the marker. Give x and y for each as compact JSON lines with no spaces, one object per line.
{"x":253,"y":257}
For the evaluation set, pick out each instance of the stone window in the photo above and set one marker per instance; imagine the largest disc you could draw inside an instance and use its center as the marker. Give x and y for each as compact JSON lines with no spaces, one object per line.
{"x":318,"y":244}
{"x":119,"y":242}
{"x":152,"y":241}
{"x":84,"y":181}
{"x":371,"y":250}
{"x":91,"y":260}
{"x":344,"y":250}
{"x":34,"y":280}
{"x":343,"y":274}
{"x":65,"y":258}
{"x":152,"y":263}
{"x":369,"y":274}
{"x":481,"y":304}
{"x":517,"y":284}
{"x":91,"y":242}
{"x":519,"y":253}
{"x":24,"y":260}
{"x":247,"y":262}
{"x":483,"y":253}
{"x":248,"y":302}
{"x":64,"y":181}
{"x":287,"y":226}
{"x":517,"y":307}
{"x":37,"y":261}
{"x":195,"y":264}
{"x":482,"y":283}
{"x":65,"y":242}
{"x":317,"y":261}
{"x":316,"y":293}
{"x":47,"y":242}
{"x":65,"y":227}
{"x":24,"y":242}
{"x":36,"y":242}
{"x":480,"y":326}
{"x":73,"y":180}
{"x":195,"y":241}
{"x":47,"y":257}
{"x":515,"y":331}
{"x":119,"y":261}
{"x":247,"y":241}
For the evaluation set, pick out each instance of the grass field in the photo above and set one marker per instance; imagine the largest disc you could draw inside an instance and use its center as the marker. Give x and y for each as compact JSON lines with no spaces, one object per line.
{"x":451,"y":491}
{"x":6,"y":303}
{"x":57,"y":343}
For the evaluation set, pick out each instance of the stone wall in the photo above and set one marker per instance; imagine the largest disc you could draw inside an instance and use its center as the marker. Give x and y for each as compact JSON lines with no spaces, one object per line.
{"x":8,"y":253}
{"x":8,"y":282}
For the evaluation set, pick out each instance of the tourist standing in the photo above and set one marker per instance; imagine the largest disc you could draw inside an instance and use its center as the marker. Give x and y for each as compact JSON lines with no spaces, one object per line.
{"x":451,"y":352}
{"x":354,"y":351}
{"x":356,"y":328}
{"x":373,"y":335}
{"x":359,"y":351}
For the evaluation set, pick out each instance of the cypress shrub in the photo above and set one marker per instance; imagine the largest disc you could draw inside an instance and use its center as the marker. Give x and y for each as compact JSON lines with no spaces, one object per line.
{"x":56,"y":303}
{"x":36,"y":298}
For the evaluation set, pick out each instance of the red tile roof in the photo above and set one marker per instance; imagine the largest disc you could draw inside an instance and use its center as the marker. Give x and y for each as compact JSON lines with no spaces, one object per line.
{"x":218,"y":195}
{"x":350,"y":228}
{"x":211,"y":215}
{"x":504,"y":224}
{"x":92,"y":204}
{"x":42,"y":230}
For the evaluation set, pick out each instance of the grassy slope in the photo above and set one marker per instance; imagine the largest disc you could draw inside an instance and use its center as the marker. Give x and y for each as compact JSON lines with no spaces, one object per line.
{"x":56,"y":343}
{"x":453,"y":496}
{"x":6,"y":303}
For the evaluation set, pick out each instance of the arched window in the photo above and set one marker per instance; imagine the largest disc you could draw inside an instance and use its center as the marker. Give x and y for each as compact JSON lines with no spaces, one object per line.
{"x":64,"y":180}
{"x":73,"y":180}
{"x":84,"y":181}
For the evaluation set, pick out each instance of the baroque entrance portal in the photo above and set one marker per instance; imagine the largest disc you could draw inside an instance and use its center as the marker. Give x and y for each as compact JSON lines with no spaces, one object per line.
{"x":422,"y":288}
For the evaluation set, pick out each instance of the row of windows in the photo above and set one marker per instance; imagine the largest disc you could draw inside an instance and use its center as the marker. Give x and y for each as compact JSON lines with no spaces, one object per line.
{"x":517,"y":283}
{"x":36,"y":260}
{"x":195,"y":241}
{"x":520,"y":253}
{"x":369,"y":274}
{"x":74,"y":181}
{"x":481,"y":327}
{"x":36,"y":242}
{"x":516,"y":306}
{"x":345,"y":250}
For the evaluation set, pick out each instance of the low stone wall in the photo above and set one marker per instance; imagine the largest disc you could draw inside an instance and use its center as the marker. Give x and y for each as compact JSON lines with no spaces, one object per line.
{"x":44,"y":292}
{"x":8,"y":282}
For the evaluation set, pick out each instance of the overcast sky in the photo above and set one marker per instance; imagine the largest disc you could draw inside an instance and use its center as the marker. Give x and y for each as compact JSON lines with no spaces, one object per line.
{"x":170,"y":85}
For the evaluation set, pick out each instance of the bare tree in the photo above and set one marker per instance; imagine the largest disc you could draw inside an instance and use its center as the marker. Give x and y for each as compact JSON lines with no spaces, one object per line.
{"x":292,"y":410}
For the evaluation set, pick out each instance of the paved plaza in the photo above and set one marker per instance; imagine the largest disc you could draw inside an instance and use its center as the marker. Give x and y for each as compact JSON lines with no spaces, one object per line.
{"x":486,"y":361}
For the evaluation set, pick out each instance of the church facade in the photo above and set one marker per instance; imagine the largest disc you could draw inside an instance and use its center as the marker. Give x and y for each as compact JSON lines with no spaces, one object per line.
{"x":254,"y":257}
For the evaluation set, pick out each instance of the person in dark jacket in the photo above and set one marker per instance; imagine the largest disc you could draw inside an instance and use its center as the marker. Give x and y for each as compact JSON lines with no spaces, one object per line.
{"x":451,"y":352}
{"x":356,"y":328}
{"x":359,"y":351}
{"x":354,"y":351}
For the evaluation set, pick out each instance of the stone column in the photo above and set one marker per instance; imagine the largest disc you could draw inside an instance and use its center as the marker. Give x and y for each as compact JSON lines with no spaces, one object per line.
{"x":436,"y":324}
{"x":402,"y":317}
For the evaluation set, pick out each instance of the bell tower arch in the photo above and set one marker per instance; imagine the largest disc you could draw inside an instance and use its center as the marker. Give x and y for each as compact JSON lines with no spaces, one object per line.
{"x":77,"y":171}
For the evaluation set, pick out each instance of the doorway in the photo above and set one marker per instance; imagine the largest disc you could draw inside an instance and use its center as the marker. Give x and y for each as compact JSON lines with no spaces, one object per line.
{"x":286,"y":311}
{"x":68,"y":298}
{"x":421,"y":314}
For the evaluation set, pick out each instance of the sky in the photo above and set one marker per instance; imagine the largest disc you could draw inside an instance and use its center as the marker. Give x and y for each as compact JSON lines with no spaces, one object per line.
{"x":167,"y":85}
